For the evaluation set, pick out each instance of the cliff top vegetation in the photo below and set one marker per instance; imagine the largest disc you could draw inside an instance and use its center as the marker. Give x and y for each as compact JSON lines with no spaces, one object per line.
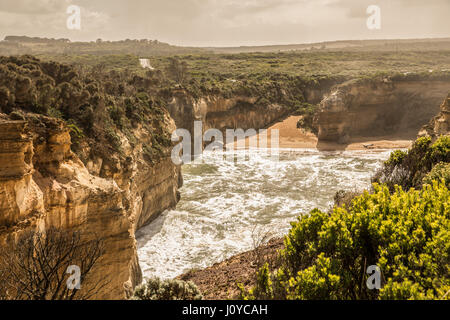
{"x":98,"y":105}
{"x":402,"y":227}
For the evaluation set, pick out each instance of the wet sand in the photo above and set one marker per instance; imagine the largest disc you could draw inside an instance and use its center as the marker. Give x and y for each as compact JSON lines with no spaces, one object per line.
{"x":292,"y":137}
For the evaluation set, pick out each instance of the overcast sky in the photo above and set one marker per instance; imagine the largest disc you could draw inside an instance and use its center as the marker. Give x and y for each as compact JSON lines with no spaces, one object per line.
{"x":226,"y":22}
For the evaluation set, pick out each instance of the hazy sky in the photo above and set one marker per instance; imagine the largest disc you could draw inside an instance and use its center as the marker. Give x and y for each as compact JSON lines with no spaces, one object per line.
{"x":226,"y":22}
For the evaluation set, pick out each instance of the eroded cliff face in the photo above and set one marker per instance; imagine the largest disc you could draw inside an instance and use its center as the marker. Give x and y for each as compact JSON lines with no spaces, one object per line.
{"x":378,"y":108}
{"x":44,"y":184}
{"x":223,"y":113}
{"x":440,"y":124}
{"x":149,"y":187}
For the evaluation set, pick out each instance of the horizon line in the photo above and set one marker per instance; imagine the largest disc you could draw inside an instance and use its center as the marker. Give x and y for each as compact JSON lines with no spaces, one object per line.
{"x":238,"y":46}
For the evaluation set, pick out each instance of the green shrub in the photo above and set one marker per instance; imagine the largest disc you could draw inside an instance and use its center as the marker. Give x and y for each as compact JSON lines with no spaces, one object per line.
{"x":55,"y":113}
{"x":101,"y":103}
{"x":439,"y":172}
{"x":405,"y":234}
{"x":112,"y":138}
{"x":156,"y":289}
{"x":408,"y":168}
{"x":440,"y":150}
{"x":75,"y":131}
{"x":396,"y":158}
{"x":263,"y":289}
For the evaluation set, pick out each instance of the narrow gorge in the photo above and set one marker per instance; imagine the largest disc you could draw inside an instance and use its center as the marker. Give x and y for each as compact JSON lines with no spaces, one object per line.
{"x":97,"y":160}
{"x":159,"y":153}
{"x":217,"y":215}
{"x":358,"y":109}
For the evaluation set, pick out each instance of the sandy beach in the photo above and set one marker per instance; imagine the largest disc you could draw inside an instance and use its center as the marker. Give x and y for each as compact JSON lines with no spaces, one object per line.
{"x":292,"y":137}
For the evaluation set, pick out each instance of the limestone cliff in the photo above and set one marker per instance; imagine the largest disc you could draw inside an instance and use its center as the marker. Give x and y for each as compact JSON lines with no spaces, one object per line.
{"x":440,"y":124}
{"x":223,"y":113}
{"x":243,"y":111}
{"x":370,"y":108}
{"x":105,"y":169}
{"x":44,"y":184}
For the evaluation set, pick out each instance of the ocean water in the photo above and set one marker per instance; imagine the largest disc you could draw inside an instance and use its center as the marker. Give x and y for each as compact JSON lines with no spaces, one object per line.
{"x":227,"y":205}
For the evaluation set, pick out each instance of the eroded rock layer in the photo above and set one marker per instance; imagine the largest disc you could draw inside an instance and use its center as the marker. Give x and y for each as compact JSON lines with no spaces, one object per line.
{"x":369,"y":108}
{"x":223,"y":113}
{"x":440,"y":124}
{"x":43,"y":184}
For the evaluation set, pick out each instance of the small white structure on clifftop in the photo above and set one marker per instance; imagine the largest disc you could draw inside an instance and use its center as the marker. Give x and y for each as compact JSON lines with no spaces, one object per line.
{"x":145,"y":63}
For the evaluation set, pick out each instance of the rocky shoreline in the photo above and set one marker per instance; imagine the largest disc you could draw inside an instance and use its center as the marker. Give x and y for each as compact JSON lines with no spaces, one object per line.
{"x":220,"y":281}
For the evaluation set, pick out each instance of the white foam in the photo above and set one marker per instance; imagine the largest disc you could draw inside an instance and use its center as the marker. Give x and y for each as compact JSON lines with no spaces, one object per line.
{"x":222,"y":202}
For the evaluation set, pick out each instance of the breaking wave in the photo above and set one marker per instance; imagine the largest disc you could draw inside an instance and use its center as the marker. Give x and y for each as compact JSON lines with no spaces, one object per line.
{"x":223,"y":202}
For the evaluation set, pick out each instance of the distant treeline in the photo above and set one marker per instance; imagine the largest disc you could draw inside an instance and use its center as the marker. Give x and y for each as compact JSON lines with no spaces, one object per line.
{"x":34,"y":39}
{"x":19,"y":45}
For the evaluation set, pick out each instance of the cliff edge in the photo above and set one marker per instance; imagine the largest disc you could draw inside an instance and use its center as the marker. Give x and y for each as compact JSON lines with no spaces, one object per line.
{"x":83,"y":151}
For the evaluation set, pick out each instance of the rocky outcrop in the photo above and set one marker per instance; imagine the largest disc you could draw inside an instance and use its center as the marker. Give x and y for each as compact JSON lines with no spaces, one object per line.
{"x":223,"y":113}
{"x":43,"y":184}
{"x":249,"y":110}
{"x":370,"y":108}
{"x":19,"y":194}
{"x":440,"y":124}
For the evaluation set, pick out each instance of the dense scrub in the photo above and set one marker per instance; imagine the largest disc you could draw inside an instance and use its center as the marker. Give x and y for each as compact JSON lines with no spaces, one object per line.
{"x":95,"y":103}
{"x":441,"y":171}
{"x":406,"y":234}
{"x":284,"y":77}
{"x":306,"y":122}
{"x":156,"y":289}
{"x":273,"y":77}
{"x":409,"y":168}
{"x":281,"y":77}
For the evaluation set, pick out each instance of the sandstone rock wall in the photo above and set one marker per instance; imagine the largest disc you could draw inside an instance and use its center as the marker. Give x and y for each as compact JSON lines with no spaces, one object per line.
{"x":44,"y":184}
{"x":223,"y":113}
{"x":378,"y":108}
{"x":440,"y":124}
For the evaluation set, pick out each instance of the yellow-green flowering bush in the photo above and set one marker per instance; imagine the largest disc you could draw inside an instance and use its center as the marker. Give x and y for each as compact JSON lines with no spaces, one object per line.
{"x":439,"y":172}
{"x":405,"y":233}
